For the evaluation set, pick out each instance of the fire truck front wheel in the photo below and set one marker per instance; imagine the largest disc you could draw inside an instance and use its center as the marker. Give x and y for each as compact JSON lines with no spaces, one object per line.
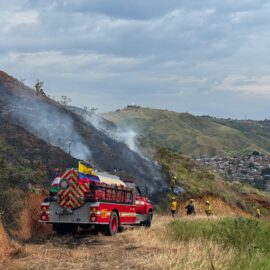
{"x":148,"y":220}
{"x":112,"y":228}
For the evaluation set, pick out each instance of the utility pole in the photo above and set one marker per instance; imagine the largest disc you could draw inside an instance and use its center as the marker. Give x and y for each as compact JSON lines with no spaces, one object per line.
{"x":69,"y":145}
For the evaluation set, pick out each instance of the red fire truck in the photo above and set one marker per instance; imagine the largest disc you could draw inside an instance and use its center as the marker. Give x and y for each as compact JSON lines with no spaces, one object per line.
{"x":107,"y":204}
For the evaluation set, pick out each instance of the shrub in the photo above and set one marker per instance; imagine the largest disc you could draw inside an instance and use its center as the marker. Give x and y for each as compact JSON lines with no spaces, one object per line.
{"x":11,"y":205}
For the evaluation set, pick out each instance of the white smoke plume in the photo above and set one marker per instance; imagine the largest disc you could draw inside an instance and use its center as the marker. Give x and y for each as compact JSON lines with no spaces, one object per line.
{"x":50,"y":124}
{"x":126,"y":135}
{"x":147,"y":172}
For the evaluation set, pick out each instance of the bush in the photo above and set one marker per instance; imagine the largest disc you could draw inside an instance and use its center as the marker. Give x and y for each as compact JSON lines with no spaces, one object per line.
{"x":11,"y":205}
{"x":13,"y":183}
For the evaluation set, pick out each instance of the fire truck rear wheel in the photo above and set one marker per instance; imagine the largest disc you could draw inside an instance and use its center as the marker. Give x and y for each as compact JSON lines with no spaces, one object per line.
{"x":112,"y":228}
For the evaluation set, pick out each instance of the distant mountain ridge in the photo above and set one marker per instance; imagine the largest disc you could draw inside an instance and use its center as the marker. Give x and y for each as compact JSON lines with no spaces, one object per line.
{"x":194,"y":135}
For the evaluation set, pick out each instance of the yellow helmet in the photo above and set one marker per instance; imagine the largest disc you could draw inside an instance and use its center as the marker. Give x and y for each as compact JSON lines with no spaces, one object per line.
{"x":173,"y":198}
{"x":191,"y":200}
{"x":207,"y":202}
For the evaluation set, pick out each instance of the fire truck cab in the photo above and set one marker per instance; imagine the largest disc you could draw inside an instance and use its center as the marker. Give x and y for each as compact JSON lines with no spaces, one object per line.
{"x":107,"y":206}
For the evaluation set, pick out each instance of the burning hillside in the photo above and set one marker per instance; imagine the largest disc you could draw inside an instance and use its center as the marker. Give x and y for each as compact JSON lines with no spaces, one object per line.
{"x":56,"y":125}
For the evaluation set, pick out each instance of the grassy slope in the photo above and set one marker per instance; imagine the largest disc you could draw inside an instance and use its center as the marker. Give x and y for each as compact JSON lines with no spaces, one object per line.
{"x":199,"y":182}
{"x":246,"y":240}
{"x":193,"y":135}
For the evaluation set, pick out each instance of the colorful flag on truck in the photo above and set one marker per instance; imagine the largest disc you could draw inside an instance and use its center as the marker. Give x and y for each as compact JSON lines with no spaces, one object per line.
{"x":86,"y":174}
{"x":82,"y":168}
{"x":86,"y":178}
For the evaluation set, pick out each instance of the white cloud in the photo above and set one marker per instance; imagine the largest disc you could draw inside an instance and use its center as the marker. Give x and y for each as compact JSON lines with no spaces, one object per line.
{"x":256,"y":86}
{"x":157,"y":52}
{"x":12,"y":19}
{"x":80,"y":64}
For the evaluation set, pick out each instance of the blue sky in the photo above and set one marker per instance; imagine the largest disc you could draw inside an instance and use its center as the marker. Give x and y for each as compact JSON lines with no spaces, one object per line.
{"x":203,"y":57}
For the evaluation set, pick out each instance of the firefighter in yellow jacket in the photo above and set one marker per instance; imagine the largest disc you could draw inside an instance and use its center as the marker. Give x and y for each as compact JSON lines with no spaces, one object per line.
{"x":208,"y":209}
{"x":258,"y":212}
{"x":173,"y":206}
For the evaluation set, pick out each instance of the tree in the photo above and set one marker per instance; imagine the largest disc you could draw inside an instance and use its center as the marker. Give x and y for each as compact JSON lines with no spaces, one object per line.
{"x":38,"y":87}
{"x":93,"y":110}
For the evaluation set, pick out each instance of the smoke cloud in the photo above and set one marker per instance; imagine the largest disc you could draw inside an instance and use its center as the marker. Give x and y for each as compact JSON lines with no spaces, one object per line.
{"x":129,"y":157}
{"x":111,"y":148}
{"x":126,"y":135}
{"x":50,"y":124}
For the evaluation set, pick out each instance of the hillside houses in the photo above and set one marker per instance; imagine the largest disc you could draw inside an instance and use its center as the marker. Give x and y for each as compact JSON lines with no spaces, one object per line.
{"x":254,"y":169}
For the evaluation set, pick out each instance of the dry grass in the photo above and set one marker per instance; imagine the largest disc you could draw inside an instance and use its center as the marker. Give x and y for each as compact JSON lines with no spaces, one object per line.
{"x":135,"y":248}
{"x":219,"y":207}
{"x":8,"y":248}
{"x":161,"y":253}
{"x":4,"y":243}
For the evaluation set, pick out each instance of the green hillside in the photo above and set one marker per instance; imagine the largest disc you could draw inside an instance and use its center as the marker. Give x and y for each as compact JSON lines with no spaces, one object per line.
{"x":193,"y":135}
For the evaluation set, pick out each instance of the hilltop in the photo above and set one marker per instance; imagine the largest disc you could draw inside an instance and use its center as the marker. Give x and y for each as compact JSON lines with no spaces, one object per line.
{"x":193,"y":135}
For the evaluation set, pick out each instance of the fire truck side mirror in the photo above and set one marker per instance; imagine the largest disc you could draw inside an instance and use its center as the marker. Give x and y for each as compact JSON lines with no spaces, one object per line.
{"x":138,"y":191}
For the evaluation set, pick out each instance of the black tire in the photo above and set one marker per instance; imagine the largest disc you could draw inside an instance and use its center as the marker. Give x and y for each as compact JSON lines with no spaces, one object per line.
{"x":148,"y":220}
{"x":112,"y":228}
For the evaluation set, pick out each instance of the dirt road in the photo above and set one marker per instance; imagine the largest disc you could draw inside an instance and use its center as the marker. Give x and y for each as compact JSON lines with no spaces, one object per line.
{"x":135,"y":248}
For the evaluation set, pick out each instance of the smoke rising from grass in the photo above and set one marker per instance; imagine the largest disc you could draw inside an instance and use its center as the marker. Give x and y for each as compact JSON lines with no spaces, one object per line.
{"x":125,"y":142}
{"x":50,"y":124}
{"x":126,"y":135}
